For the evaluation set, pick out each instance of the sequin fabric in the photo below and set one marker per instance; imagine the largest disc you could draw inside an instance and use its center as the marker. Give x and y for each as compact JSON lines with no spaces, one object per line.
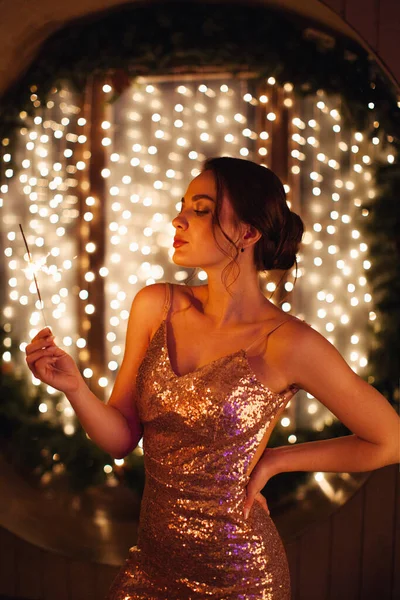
{"x":201,"y":431}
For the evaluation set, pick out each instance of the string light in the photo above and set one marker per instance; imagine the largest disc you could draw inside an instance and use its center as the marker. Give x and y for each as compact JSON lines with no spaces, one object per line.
{"x":144,"y":175}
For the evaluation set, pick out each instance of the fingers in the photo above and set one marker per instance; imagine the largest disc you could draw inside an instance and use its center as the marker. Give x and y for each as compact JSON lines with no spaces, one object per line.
{"x":247,"y":508}
{"x":42,"y":361}
{"x":262,"y":500}
{"x":250,"y":500}
{"x":39,"y":343}
{"x":38,"y":365}
{"x":39,"y":348}
{"x":50,"y":351}
{"x":42,"y":333}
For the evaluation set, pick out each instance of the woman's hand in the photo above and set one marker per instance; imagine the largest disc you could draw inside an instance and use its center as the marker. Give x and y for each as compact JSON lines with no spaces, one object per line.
{"x":259,"y":476}
{"x":51,"y":364}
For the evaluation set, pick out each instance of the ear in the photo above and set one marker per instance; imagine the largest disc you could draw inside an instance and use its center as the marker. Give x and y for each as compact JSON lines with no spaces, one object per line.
{"x":252,"y":234}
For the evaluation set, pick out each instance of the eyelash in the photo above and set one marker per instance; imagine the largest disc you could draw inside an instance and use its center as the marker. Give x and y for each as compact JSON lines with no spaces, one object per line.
{"x":198,"y":212}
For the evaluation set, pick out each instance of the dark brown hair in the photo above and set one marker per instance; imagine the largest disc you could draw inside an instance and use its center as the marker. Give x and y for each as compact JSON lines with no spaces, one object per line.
{"x":258,"y":198}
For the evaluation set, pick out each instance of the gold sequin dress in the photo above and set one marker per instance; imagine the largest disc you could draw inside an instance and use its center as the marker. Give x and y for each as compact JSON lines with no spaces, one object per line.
{"x":201,"y":431}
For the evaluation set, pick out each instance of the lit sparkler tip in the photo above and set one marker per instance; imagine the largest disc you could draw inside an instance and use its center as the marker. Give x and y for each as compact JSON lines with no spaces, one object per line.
{"x":31,"y":269}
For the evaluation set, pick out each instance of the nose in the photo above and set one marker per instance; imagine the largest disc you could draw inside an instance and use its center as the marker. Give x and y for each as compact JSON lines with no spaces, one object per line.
{"x":178,"y":221}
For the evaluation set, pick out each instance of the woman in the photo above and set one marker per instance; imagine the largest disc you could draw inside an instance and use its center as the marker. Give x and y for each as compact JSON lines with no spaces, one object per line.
{"x":206,"y":405}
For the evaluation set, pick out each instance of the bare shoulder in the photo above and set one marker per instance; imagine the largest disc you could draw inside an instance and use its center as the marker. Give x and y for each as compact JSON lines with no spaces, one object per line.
{"x":295,"y":331}
{"x":289,"y":325}
{"x":149,"y":302}
{"x":287,"y":337}
{"x":305,"y":351}
{"x":152,"y":296}
{"x":301,"y":331}
{"x":144,"y":318}
{"x":153,"y":292}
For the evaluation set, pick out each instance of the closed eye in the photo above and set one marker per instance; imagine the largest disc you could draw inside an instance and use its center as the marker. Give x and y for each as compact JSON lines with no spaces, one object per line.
{"x":198,"y":212}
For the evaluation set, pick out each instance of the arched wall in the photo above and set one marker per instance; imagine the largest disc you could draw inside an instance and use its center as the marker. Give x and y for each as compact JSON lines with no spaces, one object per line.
{"x":378,"y":24}
{"x":374,"y":23}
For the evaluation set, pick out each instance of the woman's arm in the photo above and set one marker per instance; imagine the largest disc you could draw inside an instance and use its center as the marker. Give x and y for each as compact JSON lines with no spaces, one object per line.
{"x":347,"y":454}
{"x":318,"y":368}
{"x":115,"y":426}
{"x":105,"y":425}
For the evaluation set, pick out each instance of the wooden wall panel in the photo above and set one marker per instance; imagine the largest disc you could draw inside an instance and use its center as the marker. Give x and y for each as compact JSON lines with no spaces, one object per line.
{"x":389,"y":35}
{"x":396,"y":549}
{"x":378,"y":535}
{"x":293,"y":556}
{"x":104,"y":578}
{"x":378,"y":23}
{"x":389,"y":14}
{"x":55,"y":577}
{"x":82,"y":580}
{"x":363,"y":15}
{"x":29,"y":572}
{"x":8,"y":563}
{"x":314,"y":563}
{"x":347,"y":529}
{"x":337,"y":5}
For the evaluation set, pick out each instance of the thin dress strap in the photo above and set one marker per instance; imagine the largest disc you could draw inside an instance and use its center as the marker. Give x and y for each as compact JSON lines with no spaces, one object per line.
{"x":168,"y":297}
{"x":268,"y":332}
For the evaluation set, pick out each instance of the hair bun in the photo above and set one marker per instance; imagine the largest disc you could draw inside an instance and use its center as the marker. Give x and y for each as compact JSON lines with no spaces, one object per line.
{"x":291,"y":236}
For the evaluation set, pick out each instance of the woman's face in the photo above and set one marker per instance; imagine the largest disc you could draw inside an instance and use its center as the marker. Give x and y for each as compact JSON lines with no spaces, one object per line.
{"x":194,"y":226}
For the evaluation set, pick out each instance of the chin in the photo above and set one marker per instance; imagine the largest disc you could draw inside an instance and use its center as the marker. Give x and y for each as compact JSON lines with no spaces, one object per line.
{"x":183,"y":263}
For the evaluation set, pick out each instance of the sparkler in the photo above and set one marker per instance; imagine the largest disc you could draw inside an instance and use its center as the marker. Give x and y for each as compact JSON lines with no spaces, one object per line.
{"x":34,"y":267}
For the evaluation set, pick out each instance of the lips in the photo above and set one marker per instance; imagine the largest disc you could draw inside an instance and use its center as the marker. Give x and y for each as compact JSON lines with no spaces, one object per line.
{"x":178,"y":242}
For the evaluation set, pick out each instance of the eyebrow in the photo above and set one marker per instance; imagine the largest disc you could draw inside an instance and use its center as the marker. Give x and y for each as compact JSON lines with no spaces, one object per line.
{"x":198,"y":197}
